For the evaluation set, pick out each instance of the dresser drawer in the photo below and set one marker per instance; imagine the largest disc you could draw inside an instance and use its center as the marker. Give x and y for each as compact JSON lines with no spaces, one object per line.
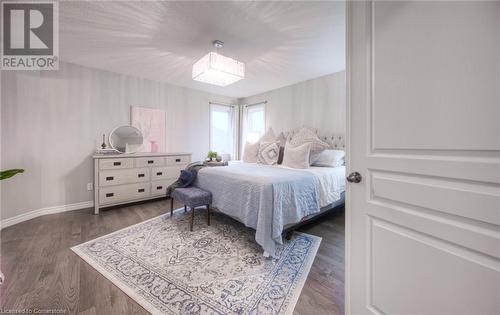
{"x":165,"y":172}
{"x":114,"y":194}
{"x":110,"y":164}
{"x":120,"y":177}
{"x":159,"y":187}
{"x":149,"y":161}
{"x":178,"y":160}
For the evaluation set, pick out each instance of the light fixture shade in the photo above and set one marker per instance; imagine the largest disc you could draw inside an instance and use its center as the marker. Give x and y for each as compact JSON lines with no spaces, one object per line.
{"x":217,"y":69}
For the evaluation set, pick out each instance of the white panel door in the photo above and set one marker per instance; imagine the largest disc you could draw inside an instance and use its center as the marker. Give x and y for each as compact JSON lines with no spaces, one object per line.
{"x":423,"y":225}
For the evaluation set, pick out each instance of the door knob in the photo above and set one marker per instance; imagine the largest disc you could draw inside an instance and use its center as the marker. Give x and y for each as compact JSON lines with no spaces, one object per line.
{"x":354,"y":177}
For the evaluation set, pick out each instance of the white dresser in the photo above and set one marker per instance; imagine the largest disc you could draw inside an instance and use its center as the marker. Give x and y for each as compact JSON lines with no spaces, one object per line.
{"x":124,"y":178}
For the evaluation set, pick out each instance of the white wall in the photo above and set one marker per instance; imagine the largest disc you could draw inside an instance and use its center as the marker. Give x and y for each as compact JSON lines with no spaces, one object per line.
{"x":318,"y":103}
{"x":53,"y":120}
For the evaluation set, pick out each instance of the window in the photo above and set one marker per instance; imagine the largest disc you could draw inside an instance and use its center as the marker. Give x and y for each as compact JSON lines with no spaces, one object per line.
{"x":254,"y":124}
{"x":222,"y":129}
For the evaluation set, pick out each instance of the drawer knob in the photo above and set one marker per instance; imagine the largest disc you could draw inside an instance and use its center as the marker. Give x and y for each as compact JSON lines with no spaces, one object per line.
{"x":110,"y":178}
{"x":140,"y":190}
{"x":159,"y":187}
{"x":140,"y":175}
{"x":110,"y":195}
{"x":150,"y":161}
{"x":177,"y":160}
{"x":159,"y":173}
{"x":117,"y":163}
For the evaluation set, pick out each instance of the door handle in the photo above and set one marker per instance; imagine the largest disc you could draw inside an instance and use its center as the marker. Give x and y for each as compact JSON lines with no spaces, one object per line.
{"x":354,"y":177}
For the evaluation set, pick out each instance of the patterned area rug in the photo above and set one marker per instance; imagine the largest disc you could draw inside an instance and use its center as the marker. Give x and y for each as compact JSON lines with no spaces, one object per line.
{"x":213,"y":270}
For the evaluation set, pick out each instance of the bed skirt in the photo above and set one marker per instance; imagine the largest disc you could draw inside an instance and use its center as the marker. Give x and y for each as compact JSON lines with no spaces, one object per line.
{"x":324,"y":210}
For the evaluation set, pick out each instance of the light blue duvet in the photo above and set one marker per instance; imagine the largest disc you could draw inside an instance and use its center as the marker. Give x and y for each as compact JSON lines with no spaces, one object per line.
{"x":266,"y":198}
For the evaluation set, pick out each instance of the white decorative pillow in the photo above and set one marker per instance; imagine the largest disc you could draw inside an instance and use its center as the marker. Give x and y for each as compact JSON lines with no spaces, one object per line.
{"x":268,"y":136}
{"x":250,"y":152}
{"x":306,"y":135}
{"x":269,"y":152}
{"x":297,"y":156}
{"x":330,"y":158}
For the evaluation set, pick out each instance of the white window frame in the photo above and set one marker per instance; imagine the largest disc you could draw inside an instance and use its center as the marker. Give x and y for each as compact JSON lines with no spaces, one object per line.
{"x":234,"y":112}
{"x":244,"y":123}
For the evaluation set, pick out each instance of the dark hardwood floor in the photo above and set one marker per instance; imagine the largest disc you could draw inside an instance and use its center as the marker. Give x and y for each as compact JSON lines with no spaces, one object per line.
{"x":43,"y":273}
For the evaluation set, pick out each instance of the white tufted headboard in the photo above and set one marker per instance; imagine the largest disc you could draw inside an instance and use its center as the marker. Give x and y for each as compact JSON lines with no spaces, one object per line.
{"x":336,"y":141}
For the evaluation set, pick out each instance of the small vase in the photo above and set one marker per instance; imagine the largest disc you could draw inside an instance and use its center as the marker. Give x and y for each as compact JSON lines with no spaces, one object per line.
{"x":154,"y":146}
{"x":103,"y":145}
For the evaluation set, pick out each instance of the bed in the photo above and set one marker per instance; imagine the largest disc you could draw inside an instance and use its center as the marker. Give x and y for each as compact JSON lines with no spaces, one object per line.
{"x":272,"y":199}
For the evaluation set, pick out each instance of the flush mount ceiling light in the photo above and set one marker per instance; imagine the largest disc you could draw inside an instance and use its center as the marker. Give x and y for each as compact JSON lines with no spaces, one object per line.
{"x":216,"y":69}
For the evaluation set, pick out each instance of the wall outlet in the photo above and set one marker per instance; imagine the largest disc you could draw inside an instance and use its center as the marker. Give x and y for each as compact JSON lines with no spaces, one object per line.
{"x":90,"y":186}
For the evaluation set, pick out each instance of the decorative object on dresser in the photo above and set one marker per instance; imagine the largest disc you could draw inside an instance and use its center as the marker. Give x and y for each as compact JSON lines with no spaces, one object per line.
{"x":212,"y":156}
{"x":126,"y":139}
{"x":103,"y":145}
{"x":215,"y":163}
{"x":225,"y":157}
{"x":105,"y":151}
{"x":152,"y":123}
{"x":120,"y":178}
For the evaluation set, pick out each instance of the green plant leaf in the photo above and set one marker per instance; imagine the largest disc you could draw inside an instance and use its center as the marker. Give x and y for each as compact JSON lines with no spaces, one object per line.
{"x":9,"y":173}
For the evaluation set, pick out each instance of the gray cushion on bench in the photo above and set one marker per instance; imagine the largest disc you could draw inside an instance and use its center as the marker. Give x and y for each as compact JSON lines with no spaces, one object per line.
{"x":192,"y":196}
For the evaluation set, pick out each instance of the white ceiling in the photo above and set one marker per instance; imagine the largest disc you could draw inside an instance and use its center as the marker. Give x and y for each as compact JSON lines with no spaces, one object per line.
{"x":282,"y":43}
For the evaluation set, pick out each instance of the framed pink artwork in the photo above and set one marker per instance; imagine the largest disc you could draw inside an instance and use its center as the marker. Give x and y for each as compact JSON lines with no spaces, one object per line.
{"x":151,"y":122}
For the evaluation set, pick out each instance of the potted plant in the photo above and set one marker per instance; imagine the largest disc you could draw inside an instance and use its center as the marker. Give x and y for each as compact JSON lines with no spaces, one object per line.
{"x":9,"y":173}
{"x":212,"y":155}
{"x":4,"y":175}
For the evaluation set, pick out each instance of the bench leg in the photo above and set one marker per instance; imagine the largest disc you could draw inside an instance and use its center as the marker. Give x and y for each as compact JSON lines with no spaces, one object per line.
{"x":171,"y":206}
{"x":185,"y":209}
{"x":192,"y":218}
{"x":208,"y":214}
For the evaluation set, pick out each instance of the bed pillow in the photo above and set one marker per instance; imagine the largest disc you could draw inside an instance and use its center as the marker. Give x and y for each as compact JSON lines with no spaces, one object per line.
{"x":330,"y":158}
{"x":297,"y":156}
{"x":306,"y":135}
{"x":186,"y":178}
{"x":269,"y":152}
{"x":268,"y":136}
{"x":282,"y":140}
{"x":250,"y":152}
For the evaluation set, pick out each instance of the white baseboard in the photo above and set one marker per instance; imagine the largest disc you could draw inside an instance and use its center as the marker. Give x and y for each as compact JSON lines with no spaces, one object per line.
{"x":43,"y":211}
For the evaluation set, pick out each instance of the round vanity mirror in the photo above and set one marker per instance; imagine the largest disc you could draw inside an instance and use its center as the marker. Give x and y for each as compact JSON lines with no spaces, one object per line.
{"x":126,"y":139}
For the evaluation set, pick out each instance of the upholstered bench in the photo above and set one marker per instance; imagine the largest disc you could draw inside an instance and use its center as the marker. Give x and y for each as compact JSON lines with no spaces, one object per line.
{"x":192,"y":197}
